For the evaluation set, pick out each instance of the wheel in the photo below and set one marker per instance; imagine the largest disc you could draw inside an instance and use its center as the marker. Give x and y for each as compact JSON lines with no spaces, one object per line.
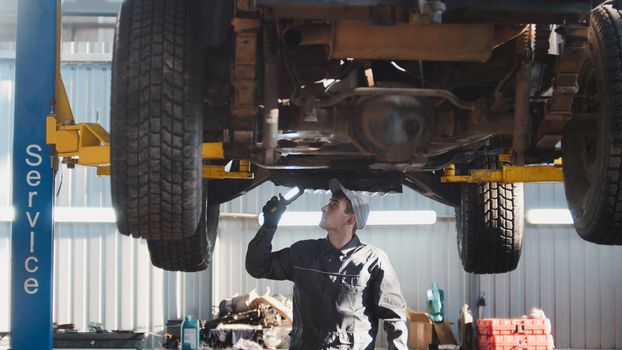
{"x":188,"y":254}
{"x":592,"y":153}
{"x":490,"y":224}
{"x":157,"y":119}
{"x":592,"y":145}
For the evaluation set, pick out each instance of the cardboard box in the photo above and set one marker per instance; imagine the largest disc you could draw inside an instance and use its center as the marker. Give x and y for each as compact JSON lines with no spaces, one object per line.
{"x":420,"y":330}
{"x":423,"y":334}
{"x":443,"y":334}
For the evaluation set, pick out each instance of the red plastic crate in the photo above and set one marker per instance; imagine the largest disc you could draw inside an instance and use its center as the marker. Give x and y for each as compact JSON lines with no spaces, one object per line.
{"x":511,"y":326}
{"x":497,"y":342}
{"x":496,"y":326}
{"x":536,"y":326}
{"x":516,"y":342}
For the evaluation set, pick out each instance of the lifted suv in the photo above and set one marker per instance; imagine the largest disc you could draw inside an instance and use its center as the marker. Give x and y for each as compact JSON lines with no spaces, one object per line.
{"x":378,"y":93}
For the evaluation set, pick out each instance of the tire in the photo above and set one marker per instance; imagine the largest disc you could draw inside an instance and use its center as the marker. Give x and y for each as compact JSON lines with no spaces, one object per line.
{"x":490,"y":224}
{"x":157,"y":119}
{"x":592,"y":151}
{"x":189,"y":254}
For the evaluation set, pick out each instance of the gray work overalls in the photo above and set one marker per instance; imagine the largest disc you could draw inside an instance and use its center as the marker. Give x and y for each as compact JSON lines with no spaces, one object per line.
{"x":339,"y":295}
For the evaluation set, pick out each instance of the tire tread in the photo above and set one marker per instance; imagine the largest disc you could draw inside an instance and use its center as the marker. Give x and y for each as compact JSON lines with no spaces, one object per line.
{"x":490,"y":224}
{"x":597,"y":213}
{"x":156,"y":119}
{"x":188,"y":254}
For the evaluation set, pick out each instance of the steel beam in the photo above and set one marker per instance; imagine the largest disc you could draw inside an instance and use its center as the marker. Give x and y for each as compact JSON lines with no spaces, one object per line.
{"x":33,"y":179}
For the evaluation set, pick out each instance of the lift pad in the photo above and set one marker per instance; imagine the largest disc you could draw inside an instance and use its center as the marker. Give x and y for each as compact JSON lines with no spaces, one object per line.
{"x":507,"y":174}
{"x":88,"y":144}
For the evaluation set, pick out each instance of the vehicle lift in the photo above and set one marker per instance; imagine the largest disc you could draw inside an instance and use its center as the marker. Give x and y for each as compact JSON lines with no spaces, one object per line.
{"x":39,"y":142}
{"x":45,"y":133}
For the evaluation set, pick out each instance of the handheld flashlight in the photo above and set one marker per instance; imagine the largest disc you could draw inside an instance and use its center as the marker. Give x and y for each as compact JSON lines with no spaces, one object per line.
{"x":292,"y":195}
{"x":288,"y":197}
{"x":284,"y":200}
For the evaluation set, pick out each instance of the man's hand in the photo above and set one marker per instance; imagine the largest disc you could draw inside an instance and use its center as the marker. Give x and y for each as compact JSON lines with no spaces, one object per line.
{"x":272,"y":211}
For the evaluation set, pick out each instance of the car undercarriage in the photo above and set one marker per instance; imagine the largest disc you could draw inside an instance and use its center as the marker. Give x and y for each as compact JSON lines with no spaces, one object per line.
{"x":377,"y":93}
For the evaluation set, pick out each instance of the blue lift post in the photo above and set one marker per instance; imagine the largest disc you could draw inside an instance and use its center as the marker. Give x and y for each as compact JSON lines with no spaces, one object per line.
{"x":33,"y":179}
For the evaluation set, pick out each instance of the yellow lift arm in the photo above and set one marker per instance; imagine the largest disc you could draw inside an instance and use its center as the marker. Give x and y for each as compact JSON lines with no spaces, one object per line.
{"x":88,"y":144}
{"x":507,"y":174}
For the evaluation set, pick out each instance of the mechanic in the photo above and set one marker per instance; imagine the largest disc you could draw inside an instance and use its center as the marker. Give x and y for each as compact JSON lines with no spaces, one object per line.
{"x":342,"y":286}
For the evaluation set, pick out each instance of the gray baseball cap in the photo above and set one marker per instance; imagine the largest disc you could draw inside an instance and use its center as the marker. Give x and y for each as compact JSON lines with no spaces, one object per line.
{"x":359,"y":203}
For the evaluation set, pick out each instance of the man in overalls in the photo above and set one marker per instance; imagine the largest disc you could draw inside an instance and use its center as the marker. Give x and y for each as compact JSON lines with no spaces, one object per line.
{"x":342,"y":287}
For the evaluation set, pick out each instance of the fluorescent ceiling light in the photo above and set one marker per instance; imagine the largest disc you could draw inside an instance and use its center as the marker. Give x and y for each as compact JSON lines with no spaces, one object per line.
{"x":289,"y":218}
{"x":6,"y":214}
{"x":549,"y":217}
{"x":376,"y":218}
{"x":401,"y":217}
{"x":70,"y":214}
{"x":84,"y":214}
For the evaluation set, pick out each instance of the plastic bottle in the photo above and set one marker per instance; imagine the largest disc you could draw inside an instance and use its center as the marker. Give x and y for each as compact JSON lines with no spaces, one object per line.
{"x":190,"y":330}
{"x":436,"y":309}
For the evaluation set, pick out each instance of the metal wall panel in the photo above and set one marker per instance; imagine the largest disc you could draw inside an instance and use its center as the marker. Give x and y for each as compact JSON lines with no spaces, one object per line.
{"x":5,"y":272}
{"x":101,"y":276}
{"x":7,"y":77}
{"x":7,"y":93}
{"x":577,"y":284}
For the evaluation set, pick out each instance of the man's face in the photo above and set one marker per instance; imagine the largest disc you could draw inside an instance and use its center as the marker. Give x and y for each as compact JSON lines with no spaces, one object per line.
{"x":334,"y":216}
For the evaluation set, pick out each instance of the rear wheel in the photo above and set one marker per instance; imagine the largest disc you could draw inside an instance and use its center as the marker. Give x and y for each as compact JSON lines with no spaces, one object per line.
{"x":157,"y":119}
{"x":490,"y":224}
{"x":592,"y":142}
